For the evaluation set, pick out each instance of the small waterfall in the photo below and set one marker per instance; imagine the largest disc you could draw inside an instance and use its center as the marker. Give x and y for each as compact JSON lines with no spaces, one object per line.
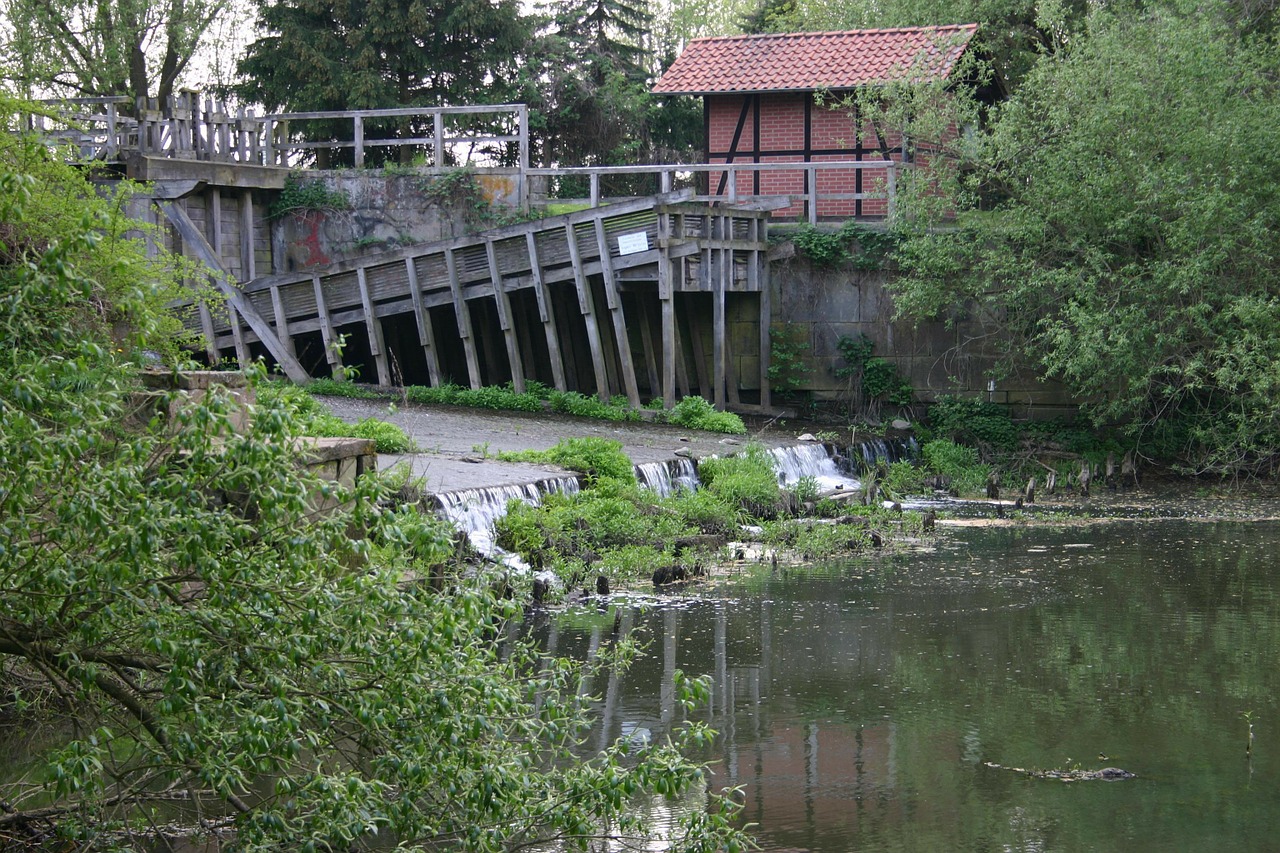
{"x":865,"y":454}
{"x":474,"y":511}
{"x":811,"y":460}
{"x":668,"y":477}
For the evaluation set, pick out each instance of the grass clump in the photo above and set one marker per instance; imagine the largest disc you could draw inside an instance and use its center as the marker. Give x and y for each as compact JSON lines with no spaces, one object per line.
{"x":584,"y":406}
{"x":313,"y":418}
{"x":696,"y":413}
{"x":747,"y":481}
{"x":957,"y":463}
{"x":595,"y":458}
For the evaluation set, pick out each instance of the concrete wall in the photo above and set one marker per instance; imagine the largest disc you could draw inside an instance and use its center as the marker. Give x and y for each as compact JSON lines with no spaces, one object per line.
{"x":386,"y":212}
{"x":821,"y":306}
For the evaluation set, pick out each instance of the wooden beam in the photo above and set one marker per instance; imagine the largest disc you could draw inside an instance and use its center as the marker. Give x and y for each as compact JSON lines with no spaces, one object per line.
{"x":463,"y":318}
{"x":206,"y":326}
{"x":666,"y":292}
{"x":282,"y":321}
{"x":546,"y":313}
{"x":426,"y":335}
{"x":619,"y":318}
{"x":248,"y":259}
{"x":190,"y":234}
{"x":377,"y":346}
{"x":503,"y":302}
{"x":761,"y":261}
{"x":332,"y":346}
{"x":587,"y":306}
{"x":646,"y":340}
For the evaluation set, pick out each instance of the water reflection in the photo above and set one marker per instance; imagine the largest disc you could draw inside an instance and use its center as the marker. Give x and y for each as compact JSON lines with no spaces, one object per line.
{"x":857,"y":702}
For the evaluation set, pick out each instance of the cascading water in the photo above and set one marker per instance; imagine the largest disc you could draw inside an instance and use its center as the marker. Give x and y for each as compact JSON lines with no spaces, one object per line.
{"x":668,"y":477}
{"x":864,"y":455}
{"x":474,"y":511}
{"x":811,"y":460}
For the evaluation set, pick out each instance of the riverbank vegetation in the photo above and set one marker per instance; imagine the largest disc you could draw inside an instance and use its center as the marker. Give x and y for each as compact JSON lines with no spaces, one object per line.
{"x":615,"y":532}
{"x":188,"y":647}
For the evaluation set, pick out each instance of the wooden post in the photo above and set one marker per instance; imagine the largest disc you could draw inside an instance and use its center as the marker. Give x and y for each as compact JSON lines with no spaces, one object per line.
{"x":646,"y":340}
{"x":619,"y":318}
{"x":761,"y":259}
{"x":282,"y":320}
{"x":595,"y":189}
{"x":666,"y":292}
{"x":545,"y":313}
{"x":248,"y":261}
{"x":811,"y":172}
{"x":359,"y":140}
{"x":587,"y":305}
{"x":522,"y":200}
{"x":891,"y":188}
{"x":332,"y":346}
{"x":503,"y":301}
{"x":206,"y":326}
{"x":437,"y":124}
{"x":718,"y":341}
{"x":213,"y":226}
{"x":426,"y":336}
{"x":237,"y":334}
{"x":376,"y":344}
{"x":464,"y":319}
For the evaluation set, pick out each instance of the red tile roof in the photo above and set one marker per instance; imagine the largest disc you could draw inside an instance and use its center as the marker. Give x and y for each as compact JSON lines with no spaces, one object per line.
{"x":814,"y":61}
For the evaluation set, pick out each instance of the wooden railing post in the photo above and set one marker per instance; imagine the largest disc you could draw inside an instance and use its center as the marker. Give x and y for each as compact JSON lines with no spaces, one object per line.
{"x":811,"y":176}
{"x":595,"y":189}
{"x":891,"y":189}
{"x":522,"y":116}
{"x":359,"y":140}
{"x":437,"y":130}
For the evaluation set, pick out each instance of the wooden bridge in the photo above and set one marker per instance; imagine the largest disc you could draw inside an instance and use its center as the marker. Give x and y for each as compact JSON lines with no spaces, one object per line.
{"x":575,"y":301}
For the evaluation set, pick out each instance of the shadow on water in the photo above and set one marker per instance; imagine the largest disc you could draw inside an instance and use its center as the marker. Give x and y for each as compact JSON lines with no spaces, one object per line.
{"x":859,"y":701}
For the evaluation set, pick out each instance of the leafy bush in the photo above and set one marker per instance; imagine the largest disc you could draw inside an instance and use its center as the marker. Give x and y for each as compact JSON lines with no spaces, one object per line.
{"x":389,"y":437}
{"x":583,"y":406}
{"x":498,"y":398}
{"x":747,"y":481}
{"x":903,"y":478}
{"x":696,"y":413}
{"x":971,"y":419}
{"x":596,"y":458}
{"x":958,"y":463}
{"x":304,"y":194}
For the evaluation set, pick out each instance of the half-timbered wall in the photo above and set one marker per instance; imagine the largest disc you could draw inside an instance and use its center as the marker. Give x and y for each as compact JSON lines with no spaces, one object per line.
{"x":794,"y":127}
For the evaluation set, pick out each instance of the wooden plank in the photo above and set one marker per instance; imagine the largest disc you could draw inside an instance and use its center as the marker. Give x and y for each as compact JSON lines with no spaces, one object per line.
{"x":282,"y":320}
{"x":377,"y":346}
{"x":426,"y":336}
{"x":618,"y":316}
{"x":719,"y":338}
{"x":546,"y":314}
{"x":503,"y":302}
{"x":682,"y":367}
{"x":190,"y":234}
{"x":463,"y":318}
{"x":766,"y":345}
{"x":699,"y":357}
{"x":332,"y":346}
{"x":237,"y":334}
{"x":206,"y":326}
{"x":646,"y":340}
{"x":248,"y":261}
{"x":587,"y":305}
{"x":667,"y":303}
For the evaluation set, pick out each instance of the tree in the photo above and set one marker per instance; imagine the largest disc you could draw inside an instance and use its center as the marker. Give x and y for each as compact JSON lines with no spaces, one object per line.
{"x":207,"y":646}
{"x":78,"y":48}
{"x":1115,"y":256}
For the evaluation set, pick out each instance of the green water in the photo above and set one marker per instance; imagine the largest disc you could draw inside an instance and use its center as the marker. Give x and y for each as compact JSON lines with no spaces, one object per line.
{"x":859,"y":701}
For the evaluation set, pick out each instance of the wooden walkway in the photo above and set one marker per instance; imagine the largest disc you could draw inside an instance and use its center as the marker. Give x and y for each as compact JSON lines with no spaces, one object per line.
{"x":652,"y":249}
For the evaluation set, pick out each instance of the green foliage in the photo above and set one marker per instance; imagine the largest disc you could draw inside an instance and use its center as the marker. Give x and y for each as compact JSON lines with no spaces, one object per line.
{"x":787,"y":367}
{"x":824,"y":248}
{"x":302,"y":194}
{"x":958,"y":463}
{"x":873,"y":381}
{"x":696,"y":413}
{"x":903,"y":478}
{"x":327,"y":387}
{"x":583,"y":406}
{"x":851,"y":244}
{"x":806,"y":489}
{"x":747,"y":481}
{"x":970,"y":419}
{"x":1108,"y":257}
{"x":596,"y":458}
{"x":459,"y":191}
{"x":206,"y":629}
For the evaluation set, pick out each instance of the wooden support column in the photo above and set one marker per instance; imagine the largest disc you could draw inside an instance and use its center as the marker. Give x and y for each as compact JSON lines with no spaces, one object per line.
{"x":282,"y":320}
{"x":718,"y":340}
{"x":587,"y":305}
{"x":666,"y":294}
{"x":377,"y":345}
{"x":248,"y":261}
{"x":206,"y":326}
{"x":503,"y":300}
{"x":619,"y":318}
{"x":464,"y":319}
{"x":646,"y":339}
{"x":426,"y":336}
{"x":705,"y":388}
{"x":237,"y":334}
{"x":546,"y":313}
{"x":760,"y":262}
{"x":332,"y":346}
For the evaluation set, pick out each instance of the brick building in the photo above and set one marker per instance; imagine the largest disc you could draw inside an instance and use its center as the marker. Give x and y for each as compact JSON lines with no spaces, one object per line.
{"x":775,"y":99}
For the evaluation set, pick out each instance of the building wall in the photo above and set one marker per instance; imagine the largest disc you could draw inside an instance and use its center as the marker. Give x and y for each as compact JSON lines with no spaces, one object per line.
{"x":795,"y":128}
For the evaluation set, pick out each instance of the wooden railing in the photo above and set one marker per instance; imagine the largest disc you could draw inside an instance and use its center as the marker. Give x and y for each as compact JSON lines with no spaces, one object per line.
{"x":722,"y":183}
{"x":191,"y":128}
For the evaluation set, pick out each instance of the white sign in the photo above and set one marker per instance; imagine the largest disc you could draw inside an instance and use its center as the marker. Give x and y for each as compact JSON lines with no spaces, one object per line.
{"x":629,"y":244}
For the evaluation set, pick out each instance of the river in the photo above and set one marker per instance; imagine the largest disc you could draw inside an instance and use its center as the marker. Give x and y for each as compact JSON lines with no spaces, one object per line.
{"x":859,"y":702}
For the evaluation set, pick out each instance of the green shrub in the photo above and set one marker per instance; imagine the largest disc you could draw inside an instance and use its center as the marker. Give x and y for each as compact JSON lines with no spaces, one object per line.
{"x":389,"y":437}
{"x":499,"y":398}
{"x":959,"y":463}
{"x":441,"y":395}
{"x":705,"y":510}
{"x":696,"y":413}
{"x":747,"y":481}
{"x":584,"y":406}
{"x":971,"y":419}
{"x":596,"y":458}
{"x":903,"y":478}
